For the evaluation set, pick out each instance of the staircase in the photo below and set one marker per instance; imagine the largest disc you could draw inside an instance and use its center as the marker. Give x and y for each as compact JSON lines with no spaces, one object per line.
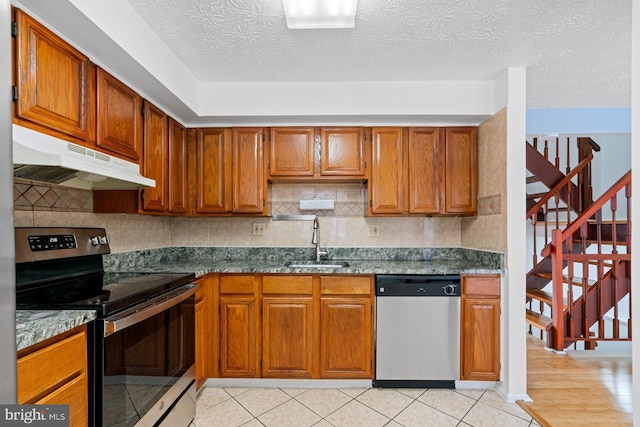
{"x":578,"y":286}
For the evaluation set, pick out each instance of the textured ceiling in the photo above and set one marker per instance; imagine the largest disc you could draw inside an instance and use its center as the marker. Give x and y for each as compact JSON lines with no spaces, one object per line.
{"x":577,"y":52}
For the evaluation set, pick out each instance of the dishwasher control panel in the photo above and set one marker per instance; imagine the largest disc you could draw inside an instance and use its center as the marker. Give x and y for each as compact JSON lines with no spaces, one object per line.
{"x":418,"y":285}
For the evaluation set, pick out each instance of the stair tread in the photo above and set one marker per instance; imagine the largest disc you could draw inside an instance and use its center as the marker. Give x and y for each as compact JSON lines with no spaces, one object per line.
{"x":577,"y":281}
{"x":532,"y":179}
{"x":536,"y":195}
{"x":538,"y":320}
{"x":544,"y":296}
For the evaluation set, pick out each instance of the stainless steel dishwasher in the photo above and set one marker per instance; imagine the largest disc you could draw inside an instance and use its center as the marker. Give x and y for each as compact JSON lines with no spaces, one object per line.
{"x":417,"y":331}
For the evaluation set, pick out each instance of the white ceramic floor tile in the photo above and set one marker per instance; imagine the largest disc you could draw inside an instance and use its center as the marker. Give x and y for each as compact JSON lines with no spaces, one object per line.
{"x":293,"y":392}
{"x":253,"y":423}
{"x":491,"y":397}
{"x":210,"y":396}
{"x":289,"y":414}
{"x":483,"y":415}
{"x":323,"y":401}
{"x":322,"y":423}
{"x":226,"y":414}
{"x":385,"y":400}
{"x":413,"y":393}
{"x":235,"y":391}
{"x":447,"y":401}
{"x":353,"y":392}
{"x":260,"y":400}
{"x":355,"y":414}
{"x":420,"y":415}
{"x":472,"y":393}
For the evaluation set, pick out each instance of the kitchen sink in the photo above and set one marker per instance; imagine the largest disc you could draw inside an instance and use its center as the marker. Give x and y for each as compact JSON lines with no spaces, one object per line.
{"x":318,"y":264}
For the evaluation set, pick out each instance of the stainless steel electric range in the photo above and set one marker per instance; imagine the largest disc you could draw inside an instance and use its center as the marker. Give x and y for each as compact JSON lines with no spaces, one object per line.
{"x":142,"y":345}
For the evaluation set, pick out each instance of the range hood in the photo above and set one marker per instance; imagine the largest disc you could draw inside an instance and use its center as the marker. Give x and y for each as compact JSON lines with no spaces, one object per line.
{"x":41,"y":157}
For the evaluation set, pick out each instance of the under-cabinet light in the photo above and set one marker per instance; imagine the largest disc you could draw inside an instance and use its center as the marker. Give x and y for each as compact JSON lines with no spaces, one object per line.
{"x":320,"y":13}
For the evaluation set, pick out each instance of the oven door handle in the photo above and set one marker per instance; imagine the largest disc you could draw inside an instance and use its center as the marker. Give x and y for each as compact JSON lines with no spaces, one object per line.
{"x":155,"y":306}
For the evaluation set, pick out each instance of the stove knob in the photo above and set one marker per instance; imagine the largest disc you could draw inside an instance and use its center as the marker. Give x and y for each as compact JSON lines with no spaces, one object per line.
{"x":95,"y":241}
{"x":103,"y":240}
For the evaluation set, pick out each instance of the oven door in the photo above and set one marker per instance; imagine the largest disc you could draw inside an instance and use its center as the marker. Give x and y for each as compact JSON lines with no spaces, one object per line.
{"x":147,"y":363}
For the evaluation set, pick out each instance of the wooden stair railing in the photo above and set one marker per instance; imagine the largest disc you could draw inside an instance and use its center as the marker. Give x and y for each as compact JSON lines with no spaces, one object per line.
{"x":594,"y":297}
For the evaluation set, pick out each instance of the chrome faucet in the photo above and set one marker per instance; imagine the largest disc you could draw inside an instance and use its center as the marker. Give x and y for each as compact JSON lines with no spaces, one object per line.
{"x":316,"y":240}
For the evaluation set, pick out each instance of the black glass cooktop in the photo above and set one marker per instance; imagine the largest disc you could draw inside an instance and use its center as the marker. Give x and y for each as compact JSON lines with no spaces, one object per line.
{"x":107,"y":293}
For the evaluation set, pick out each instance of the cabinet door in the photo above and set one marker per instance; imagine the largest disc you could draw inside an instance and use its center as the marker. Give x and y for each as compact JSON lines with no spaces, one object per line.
{"x":424,"y":170}
{"x":346,"y":338}
{"x":291,"y":151}
{"x":238,"y":340}
{"x":213,"y":171}
{"x":287,"y":337}
{"x":461,"y":171}
{"x":206,"y":349}
{"x":119,"y":118}
{"x":201,"y":355}
{"x":248,"y":171}
{"x":342,"y":152}
{"x":53,"y":81}
{"x":155,"y":162}
{"x":177,"y":181}
{"x":480,"y":335}
{"x":386,"y":186}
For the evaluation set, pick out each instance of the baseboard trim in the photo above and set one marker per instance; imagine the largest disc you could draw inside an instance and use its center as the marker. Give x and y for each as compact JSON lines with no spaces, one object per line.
{"x":292,"y":383}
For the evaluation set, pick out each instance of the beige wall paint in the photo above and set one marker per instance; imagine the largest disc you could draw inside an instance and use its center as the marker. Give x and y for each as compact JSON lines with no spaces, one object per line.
{"x":489,"y":230}
{"x":345,"y":226}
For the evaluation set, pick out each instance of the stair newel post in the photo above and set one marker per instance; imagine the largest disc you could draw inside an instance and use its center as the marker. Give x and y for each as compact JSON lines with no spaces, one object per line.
{"x":585,"y":288}
{"x":586,"y":147}
{"x":546,"y":149}
{"x":556,"y":341}
{"x":568,"y":168}
{"x":557,"y":159}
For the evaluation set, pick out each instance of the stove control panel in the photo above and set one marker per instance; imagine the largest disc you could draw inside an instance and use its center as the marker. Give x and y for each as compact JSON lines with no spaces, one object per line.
{"x":52,"y":242}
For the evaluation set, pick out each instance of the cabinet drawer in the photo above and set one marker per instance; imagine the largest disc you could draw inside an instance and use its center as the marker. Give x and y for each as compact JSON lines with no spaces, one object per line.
{"x":287,"y":285}
{"x":345,"y":285}
{"x":484,"y":285}
{"x":76,"y":395}
{"x":44,"y":370}
{"x":237,"y":284}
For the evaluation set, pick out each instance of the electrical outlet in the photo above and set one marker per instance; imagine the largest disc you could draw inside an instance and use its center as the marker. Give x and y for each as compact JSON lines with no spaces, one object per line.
{"x":374,"y":230}
{"x":257,"y":229}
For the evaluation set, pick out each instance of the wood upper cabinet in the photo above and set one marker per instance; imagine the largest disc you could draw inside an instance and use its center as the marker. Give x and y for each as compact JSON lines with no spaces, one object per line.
{"x":155,"y":164}
{"x":480,"y":335}
{"x":239,"y":326}
{"x":342,"y":151}
{"x":177,"y":175}
{"x":55,"y":372}
{"x":119,"y":127}
{"x":387,"y":171}
{"x":54,"y":83}
{"x":424,"y":170}
{"x":249,"y":183}
{"x":289,"y":327}
{"x":346,"y":327}
{"x":291,"y":151}
{"x":433,"y":171}
{"x":461,"y":171}
{"x":213,"y":171}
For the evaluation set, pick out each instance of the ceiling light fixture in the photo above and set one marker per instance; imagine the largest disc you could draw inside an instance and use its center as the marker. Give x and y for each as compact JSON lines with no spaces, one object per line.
{"x":320,"y":13}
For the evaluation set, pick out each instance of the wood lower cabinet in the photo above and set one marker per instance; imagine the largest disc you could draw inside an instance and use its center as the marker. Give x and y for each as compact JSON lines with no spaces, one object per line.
{"x":346,"y":313}
{"x":289,"y":327}
{"x":480,"y":335}
{"x":55,"y":372}
{"x":119,"y":124}
{"x":206,"y":349}
{"x":310,"y":326}
{"x":54,"y":82}
{"x":239,"y":326}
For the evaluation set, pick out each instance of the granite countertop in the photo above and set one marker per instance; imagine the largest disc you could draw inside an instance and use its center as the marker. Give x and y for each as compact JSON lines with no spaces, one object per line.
{"x":203,"y":267}
{"x":34,"y":326}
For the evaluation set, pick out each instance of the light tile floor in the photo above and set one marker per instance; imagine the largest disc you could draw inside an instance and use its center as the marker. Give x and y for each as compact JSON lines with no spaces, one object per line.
{"x":357,"y":407}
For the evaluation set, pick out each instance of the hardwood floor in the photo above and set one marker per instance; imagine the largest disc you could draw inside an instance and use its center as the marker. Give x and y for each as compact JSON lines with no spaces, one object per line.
{"x":578,"y":389}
